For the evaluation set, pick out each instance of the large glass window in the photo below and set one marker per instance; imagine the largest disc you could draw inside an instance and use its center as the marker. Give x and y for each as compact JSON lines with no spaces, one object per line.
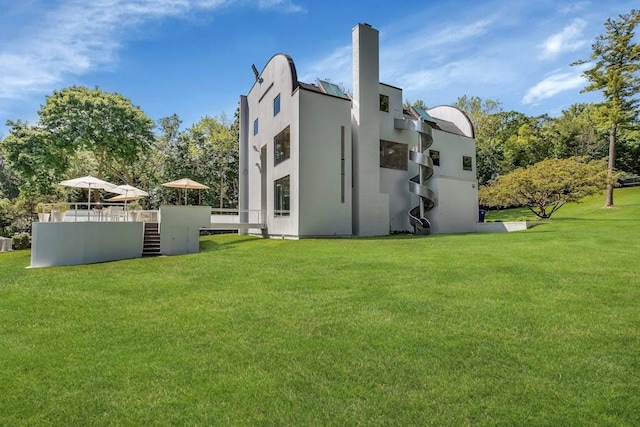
{"x":393,"y":155}
{"x":276,"y":105}
{"x":467,"y":163}
{"x":435,"y":157}
{"x":384,"y":103}
{"x":281,"y":197}
{"x":282,"y":146}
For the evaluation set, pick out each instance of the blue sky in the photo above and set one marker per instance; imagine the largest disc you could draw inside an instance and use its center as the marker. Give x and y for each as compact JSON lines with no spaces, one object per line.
{"x":193,"y":57}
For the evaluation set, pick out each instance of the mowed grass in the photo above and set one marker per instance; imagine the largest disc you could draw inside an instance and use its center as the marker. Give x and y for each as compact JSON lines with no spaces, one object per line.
{"x":540,"y":327}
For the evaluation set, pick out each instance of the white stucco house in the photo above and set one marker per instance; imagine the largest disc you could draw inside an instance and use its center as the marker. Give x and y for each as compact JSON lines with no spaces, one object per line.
{"x":319,"y":162}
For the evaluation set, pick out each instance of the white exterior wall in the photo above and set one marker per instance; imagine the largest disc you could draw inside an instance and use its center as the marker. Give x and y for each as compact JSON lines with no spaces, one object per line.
{"x":321,"y":119}
{"x":276,"y":79}
{"x":74,"y":243}
{"x":395,"y":183}
{"x":370,"y":206}
{"x":456,"y":208}
{"x":180,"y":228}
{"x":377,"y":199}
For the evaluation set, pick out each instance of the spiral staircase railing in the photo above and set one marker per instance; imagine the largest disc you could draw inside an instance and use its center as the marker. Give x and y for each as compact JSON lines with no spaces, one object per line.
{"x":417,"y":184}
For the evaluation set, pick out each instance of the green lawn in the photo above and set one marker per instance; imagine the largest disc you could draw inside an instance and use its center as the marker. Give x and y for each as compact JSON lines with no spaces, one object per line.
{"x":540,"y":327}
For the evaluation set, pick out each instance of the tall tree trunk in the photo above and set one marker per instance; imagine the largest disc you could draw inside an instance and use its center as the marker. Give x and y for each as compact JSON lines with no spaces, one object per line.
{"x":608,"y":200}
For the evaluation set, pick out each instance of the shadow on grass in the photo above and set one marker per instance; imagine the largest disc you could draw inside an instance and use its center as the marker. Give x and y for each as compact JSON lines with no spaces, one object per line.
{"x":209,"y":245}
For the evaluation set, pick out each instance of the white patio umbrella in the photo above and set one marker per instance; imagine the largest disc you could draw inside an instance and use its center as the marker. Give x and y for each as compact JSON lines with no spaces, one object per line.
{"x":89,"y":182}
{"x":186,"y":184}
{"x":123,"y":198}
{"x":125,"y":193}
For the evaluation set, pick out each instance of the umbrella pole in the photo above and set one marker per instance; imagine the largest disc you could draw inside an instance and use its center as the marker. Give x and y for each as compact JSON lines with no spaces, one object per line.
{"x":185,"y":196}
{"x":89,"y":205}
{"x":126,"y":210}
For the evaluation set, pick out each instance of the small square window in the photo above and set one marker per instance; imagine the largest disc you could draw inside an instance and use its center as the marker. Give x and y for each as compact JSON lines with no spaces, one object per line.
{"x":276,"y":105}
{"x":384,"y":103}
{"x":255,"y":127}
{"x":435,"y":157}
{"x":467,"y":163}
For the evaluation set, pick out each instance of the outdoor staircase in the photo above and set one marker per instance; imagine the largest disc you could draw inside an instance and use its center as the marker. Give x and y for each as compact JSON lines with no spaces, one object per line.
{"x":151,"y":246}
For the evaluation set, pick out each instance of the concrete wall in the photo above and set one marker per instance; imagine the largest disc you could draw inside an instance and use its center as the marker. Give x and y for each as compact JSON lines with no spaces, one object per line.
{"x":370,"y":206}
{"x":278,"y":78}
{"x":324,"y":121}
{"x":73,"y":243}
{"x":243,"y":175}
{"x":456,"y":208}
{"x":395,"y":183}
{"x":180,"y":228}
{"x":501,"y":227}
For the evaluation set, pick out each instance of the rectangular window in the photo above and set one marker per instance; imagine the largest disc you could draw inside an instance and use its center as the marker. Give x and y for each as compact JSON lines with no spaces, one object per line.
{"x":255,"y":127}
{"x":384,"y":103}
{"x":435,"y":157}
{"x":276,"y":105}
{"x":341,"y":164}
{"x":467,"y":163}
{"x":393,"y":155}
{"x":281,"y":197}
{"x":282,"y":146}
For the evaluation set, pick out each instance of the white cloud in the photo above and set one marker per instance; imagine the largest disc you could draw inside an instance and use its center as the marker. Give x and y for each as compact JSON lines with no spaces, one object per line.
{"x":78,"y":36}
{"x":336,"y":66}
{"x":567,"y":40}
{"x":553,"y":84}
{"x":285,"y":5}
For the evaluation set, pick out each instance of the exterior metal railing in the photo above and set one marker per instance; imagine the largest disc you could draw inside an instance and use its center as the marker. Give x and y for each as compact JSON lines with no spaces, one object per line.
{"x":99,"y":212}
{"x":238,"y":216}
{"x":417,"y":184}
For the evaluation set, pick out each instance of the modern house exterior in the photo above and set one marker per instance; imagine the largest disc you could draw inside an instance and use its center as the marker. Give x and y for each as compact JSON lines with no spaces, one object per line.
{"x":320,"y":162}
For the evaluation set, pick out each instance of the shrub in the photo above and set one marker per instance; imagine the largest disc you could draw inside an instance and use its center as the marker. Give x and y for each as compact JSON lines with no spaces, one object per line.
{"x":21,"y":241}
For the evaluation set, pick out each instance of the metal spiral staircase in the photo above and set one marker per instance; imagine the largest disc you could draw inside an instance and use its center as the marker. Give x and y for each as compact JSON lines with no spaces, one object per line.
{"x":417,"y":184}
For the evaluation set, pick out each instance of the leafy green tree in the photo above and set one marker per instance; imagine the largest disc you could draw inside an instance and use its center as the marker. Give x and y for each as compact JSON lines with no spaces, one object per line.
{"x":6,"y":216}
{"x":487,"y":119}
{"x":574,"y":133}
{"x":546,"y":186}
{"x":616,"y":57}
{"x":31,"y":155}
{"x":628,"y":153}
{"x":107,"y":125}
{"x":418,"y":104}
{"x":9,"y":180}
{"x":527,"y":146}
{"x":207,"y":152}
{"x":80,"y":131}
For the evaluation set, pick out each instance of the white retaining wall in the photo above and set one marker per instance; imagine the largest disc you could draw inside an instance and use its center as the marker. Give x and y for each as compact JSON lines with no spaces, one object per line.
{"x":73,"y":243}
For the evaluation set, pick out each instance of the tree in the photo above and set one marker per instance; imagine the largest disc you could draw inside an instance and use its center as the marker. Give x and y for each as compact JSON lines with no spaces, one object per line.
{"x":546,"y":186}
{"x":418,"y":104}
{"x":9,"y":180}
{"x":486,"y":116}
{"x":574,"y":133}
{"x":208,"y":152}
{"x":73,"y":123}
{"x":30,"y":154}
{"x":615,"y":73}
{"x":106,"y":124}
